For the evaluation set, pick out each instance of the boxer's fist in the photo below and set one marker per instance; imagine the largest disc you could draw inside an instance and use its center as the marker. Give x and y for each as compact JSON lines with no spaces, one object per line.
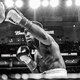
{"x":23,"y":54}
{"x":13,"y":17}
{"x":16,"y":17}
{"x":23,"y":50}
{"x":2,"y":12}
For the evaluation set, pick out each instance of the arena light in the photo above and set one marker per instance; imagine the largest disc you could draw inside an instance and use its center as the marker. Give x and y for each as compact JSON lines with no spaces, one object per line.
{"x":69,"y":3}
{"x":34,"y":4}
{"x":77,"y":2}
{"x":9,"y":3}
{"x":25,"y":76}
{"x":19,"y":3}
{"x":54,"y":3}
{"x":45,"y":3}
{"x":17,"y":76}
{"x":4,"y":77}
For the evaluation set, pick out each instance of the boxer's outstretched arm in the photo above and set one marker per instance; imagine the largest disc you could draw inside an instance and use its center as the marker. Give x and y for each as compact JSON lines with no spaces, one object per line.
{"x":39,"y":33}
{"x":14,"y":17}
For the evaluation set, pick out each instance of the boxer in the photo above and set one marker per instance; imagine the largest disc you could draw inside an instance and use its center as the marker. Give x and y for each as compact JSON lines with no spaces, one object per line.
{"x":48,"y":59}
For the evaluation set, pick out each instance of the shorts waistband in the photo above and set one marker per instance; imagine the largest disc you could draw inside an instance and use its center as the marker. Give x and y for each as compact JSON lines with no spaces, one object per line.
{"x":56,"y":70}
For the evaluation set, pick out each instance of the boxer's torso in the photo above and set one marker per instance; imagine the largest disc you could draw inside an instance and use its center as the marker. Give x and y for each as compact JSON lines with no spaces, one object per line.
{"x":50,"y":58}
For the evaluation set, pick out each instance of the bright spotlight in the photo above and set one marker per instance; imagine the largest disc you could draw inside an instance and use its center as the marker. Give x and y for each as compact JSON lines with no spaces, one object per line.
{"x":17,"y":76}
{"x":77,"y":2}
{"x":25,"y":76}
{"x":45,"y":3}
{"x":69,"y":3}
{"x":19,"y":3}
{"x":34,"y":4}
{"x":54,"y":3}
{"x":9,"y":3}
{"x":4,"y":77}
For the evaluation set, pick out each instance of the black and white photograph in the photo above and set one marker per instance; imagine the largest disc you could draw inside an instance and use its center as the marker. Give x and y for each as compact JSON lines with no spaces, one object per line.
{"x":39,"y":39}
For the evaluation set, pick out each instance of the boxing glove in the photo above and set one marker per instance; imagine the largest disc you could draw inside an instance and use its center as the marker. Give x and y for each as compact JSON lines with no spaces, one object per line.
{"x":16,"y":17}
{"x":2,"y":12}
{"x":21,"y":52}
{"x":23,"y":55}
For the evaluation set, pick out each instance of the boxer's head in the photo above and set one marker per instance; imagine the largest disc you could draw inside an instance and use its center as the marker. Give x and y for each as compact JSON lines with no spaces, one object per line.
{"x":31,"y":41}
